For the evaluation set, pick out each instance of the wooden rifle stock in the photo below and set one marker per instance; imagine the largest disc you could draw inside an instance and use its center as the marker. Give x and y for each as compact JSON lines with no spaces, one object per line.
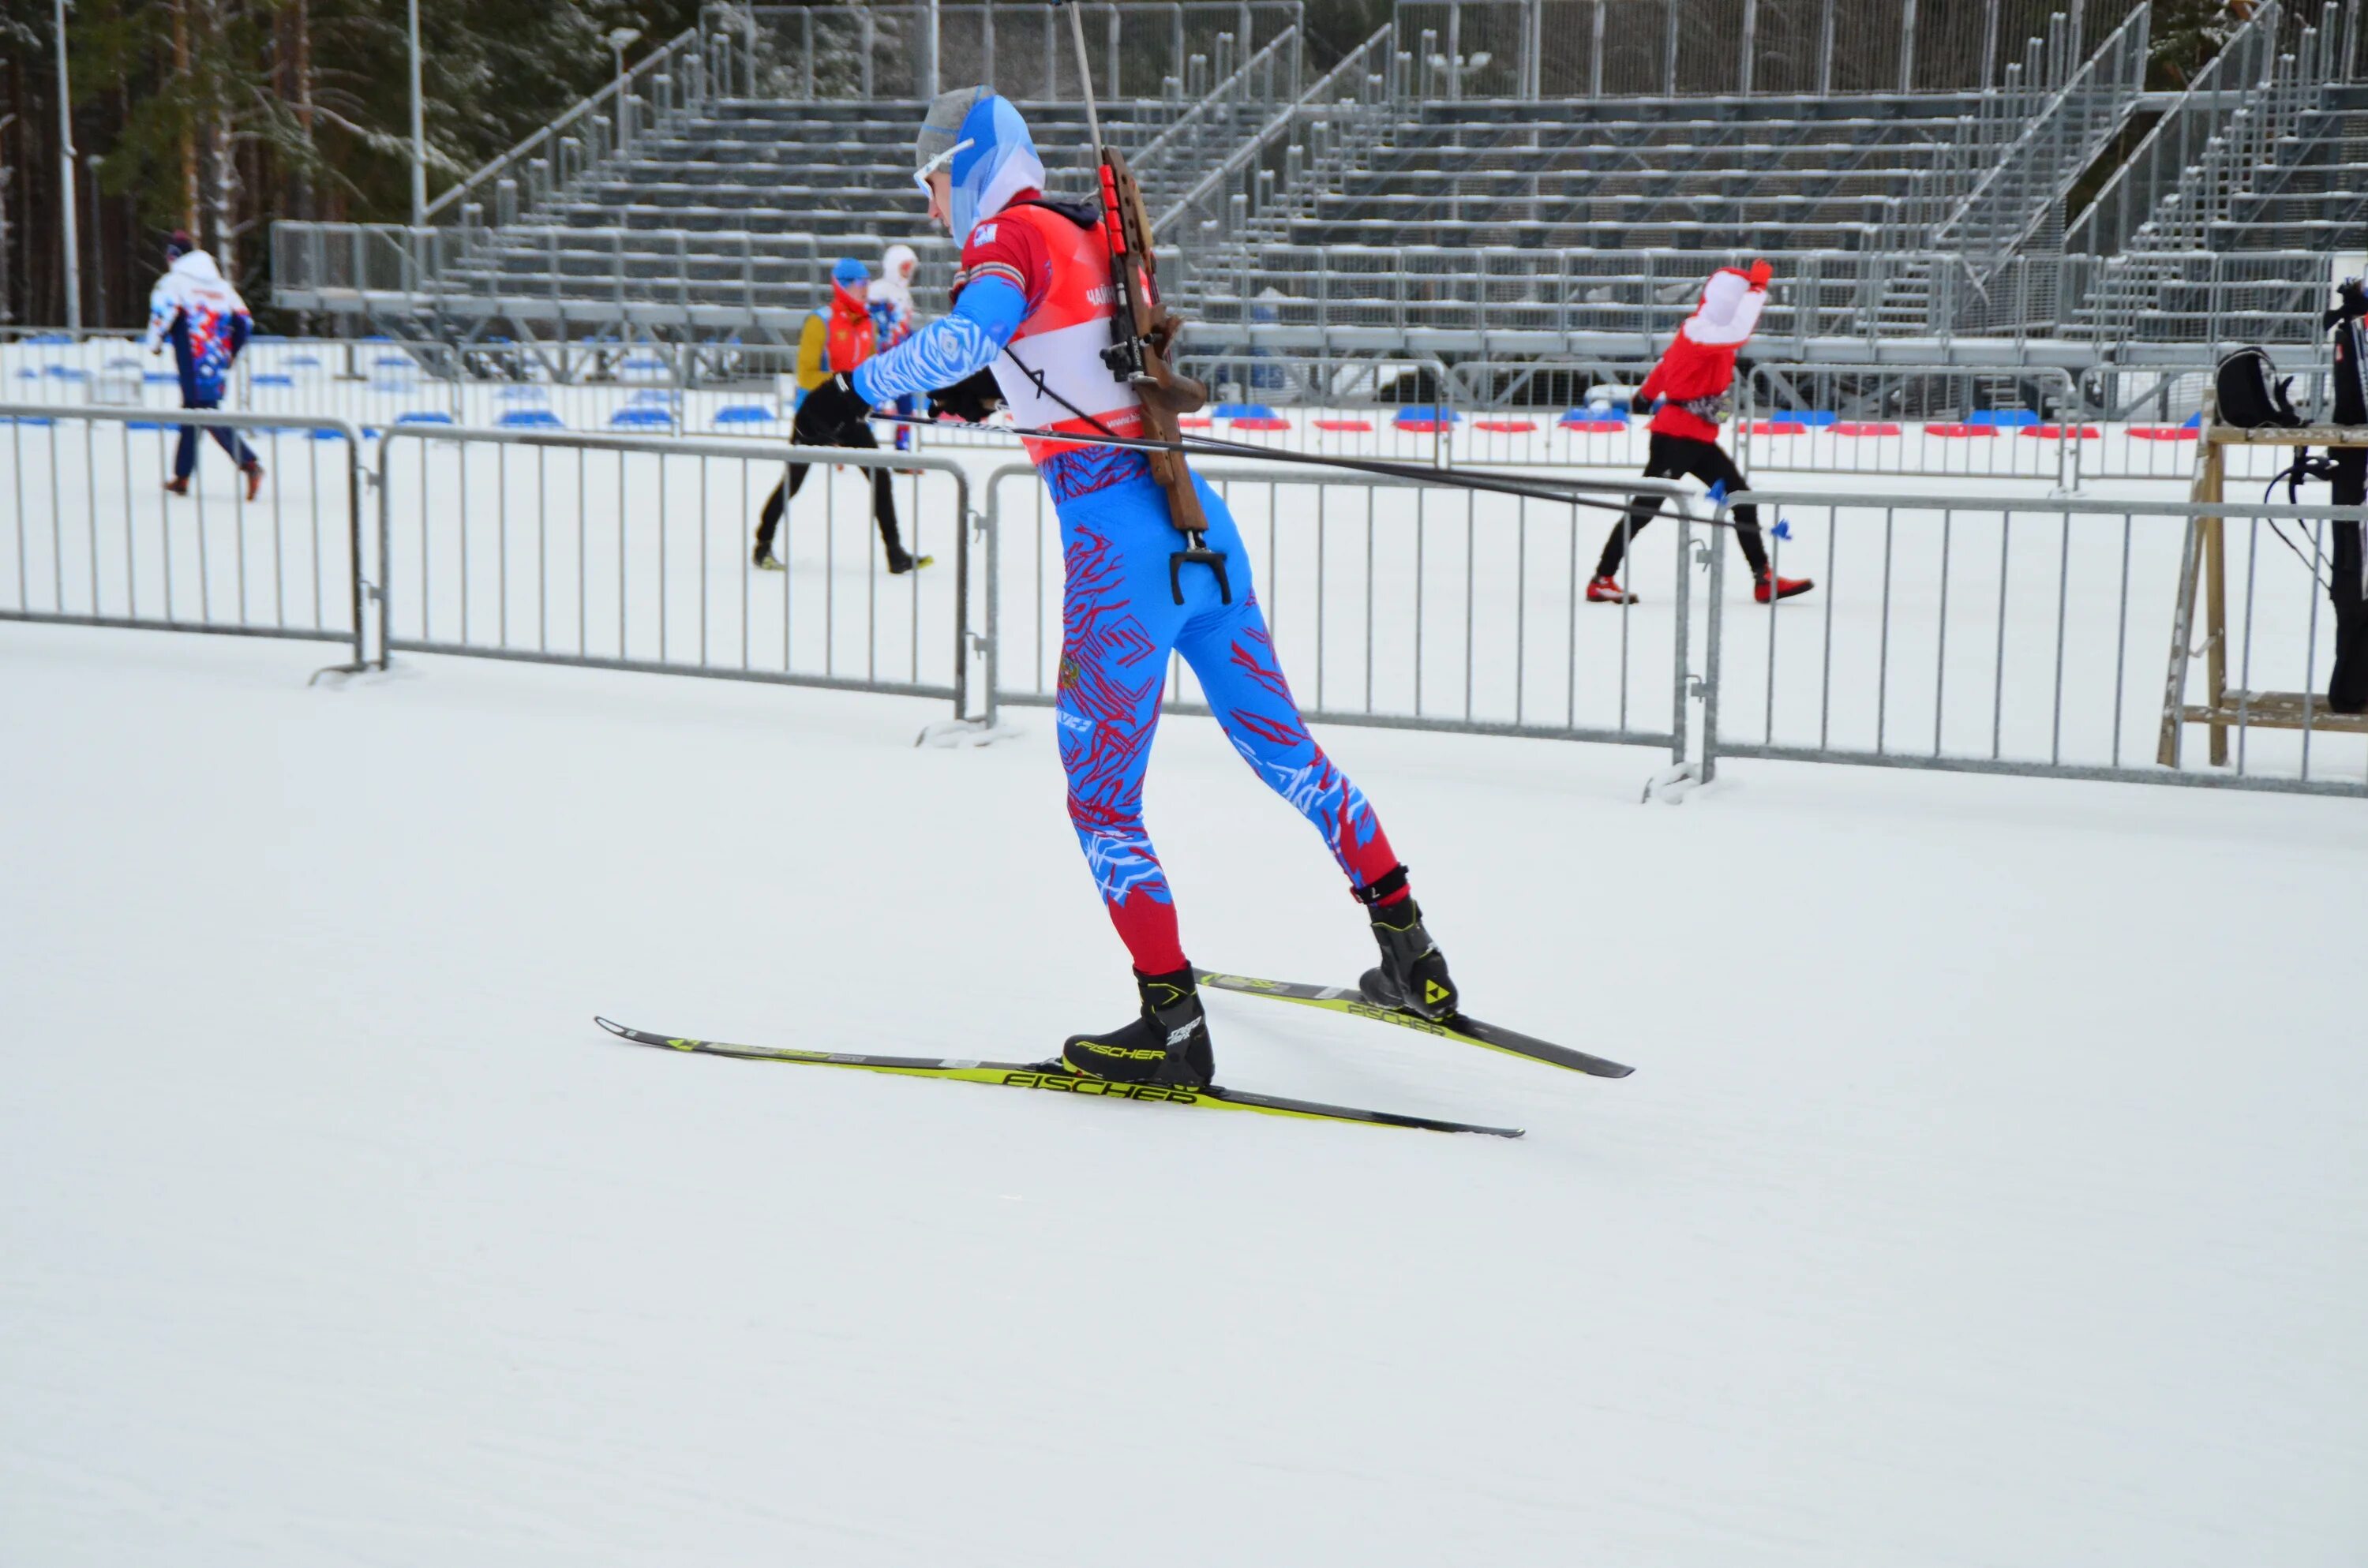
{"x":1145,"y":333}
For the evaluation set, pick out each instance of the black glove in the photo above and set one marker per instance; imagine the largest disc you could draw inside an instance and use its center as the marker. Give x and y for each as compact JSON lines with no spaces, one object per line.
{"x":2352,"y":299}
{"x":970,"y":399}
{"x":828,"y":411}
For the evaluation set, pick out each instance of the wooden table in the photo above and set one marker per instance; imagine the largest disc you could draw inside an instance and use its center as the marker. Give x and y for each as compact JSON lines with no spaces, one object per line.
{"x":2206,"y":557}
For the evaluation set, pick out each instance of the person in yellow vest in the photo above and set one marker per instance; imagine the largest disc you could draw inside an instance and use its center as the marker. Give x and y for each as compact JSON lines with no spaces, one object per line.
{"x":834,"y":342}
{"x":813,"y":354}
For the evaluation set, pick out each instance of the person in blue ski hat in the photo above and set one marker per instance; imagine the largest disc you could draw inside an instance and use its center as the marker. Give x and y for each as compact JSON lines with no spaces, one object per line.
{"x":849,"y":340}
{"x":1032,"y":311}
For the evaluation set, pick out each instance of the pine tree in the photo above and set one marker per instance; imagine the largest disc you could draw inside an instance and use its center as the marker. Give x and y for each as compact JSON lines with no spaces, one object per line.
{"x":220,"y":115}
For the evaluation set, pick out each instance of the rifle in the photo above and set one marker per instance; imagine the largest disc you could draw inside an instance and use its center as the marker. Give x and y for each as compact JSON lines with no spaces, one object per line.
{"x":1143,"y":332}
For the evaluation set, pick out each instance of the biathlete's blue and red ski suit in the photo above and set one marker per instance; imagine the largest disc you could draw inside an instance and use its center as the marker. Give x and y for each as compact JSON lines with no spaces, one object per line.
{"x":1034,"y":290}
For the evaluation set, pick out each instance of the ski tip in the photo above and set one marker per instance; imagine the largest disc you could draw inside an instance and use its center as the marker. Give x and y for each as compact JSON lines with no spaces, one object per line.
{"x":613,"y":1027}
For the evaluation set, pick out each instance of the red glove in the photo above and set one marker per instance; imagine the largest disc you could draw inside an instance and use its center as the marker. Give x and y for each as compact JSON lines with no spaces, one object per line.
{"x":1759,"y":274}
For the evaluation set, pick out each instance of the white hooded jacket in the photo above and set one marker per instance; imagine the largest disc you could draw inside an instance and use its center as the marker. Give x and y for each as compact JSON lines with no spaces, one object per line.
{"x":194,"y":285}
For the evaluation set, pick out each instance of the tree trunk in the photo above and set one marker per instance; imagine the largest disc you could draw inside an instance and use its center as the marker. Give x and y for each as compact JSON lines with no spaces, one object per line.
{"x":189,"y":134}
{"x":225,"y":193}
{"x":299,"y":17}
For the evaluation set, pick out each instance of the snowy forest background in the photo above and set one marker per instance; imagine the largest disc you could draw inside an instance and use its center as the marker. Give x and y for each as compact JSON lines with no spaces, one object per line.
{"x":219,"y":115}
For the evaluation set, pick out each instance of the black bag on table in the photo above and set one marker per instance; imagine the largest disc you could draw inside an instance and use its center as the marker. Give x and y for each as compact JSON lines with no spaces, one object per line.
{"x":2250,"y":392}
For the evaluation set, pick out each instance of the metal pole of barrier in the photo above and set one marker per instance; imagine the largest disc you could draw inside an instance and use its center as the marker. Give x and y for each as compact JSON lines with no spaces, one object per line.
{"x":1716,"y":596}
{"x":354,"y":550}
{"x":963,"y":522}
{"x":1940,"y":638}
{"x":993,"y":616}
{"x":1681,"y":662}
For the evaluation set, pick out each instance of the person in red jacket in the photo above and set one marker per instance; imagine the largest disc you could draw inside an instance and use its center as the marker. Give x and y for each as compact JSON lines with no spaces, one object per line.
{"x":1693,"y":380}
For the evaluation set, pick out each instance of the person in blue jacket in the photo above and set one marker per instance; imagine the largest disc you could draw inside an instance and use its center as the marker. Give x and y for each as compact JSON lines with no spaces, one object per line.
{"x":197,"y":310}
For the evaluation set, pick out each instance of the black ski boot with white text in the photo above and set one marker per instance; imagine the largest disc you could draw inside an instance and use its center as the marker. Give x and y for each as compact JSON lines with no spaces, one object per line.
{"x":1167,"y":1044}
{"x":1413,"y":973}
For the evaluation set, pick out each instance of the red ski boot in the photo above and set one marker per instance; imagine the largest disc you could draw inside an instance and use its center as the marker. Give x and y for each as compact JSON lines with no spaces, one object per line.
{"x":1765,"y":587}
{"x":1606,"y":590}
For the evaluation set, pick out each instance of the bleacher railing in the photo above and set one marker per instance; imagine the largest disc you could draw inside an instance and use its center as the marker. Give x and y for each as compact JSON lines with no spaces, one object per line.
{"x":2224,"y":90}
{"x":1533,"y":48}
{"x":601,"y":127}
{"x":1221,"y":121}
{"x":2025,"y":187}
{"x":1478,"y":291}
{"x":1147,"y":48}
{"x":1334,"y":121}
{"x":2175,"y":275}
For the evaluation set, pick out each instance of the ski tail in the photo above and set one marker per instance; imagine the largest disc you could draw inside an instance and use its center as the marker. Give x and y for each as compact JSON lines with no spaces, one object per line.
{"x":1463,"y":1027}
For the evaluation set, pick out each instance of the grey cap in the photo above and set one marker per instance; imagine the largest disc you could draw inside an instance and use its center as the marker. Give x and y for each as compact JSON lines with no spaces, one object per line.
{"x":947,"y":112}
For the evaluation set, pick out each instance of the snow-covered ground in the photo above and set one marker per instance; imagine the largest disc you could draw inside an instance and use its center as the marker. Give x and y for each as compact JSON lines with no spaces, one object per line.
{"x":1989,"y":1191}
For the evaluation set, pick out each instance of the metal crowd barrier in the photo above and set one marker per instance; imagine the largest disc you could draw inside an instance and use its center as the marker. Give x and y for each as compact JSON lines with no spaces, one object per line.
{"x":2047,"y":637}
{"x":2040,"y":636}
{"x":1399,"y":605}
{"x":634,"y":554}
{"x":119,"y":550}
{"x":1923,"y":421}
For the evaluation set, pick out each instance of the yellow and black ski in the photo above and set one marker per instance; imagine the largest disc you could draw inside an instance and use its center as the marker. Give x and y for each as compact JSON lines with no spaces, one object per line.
{"x":1463,"y":1027}
{"x":1050,"y":1076}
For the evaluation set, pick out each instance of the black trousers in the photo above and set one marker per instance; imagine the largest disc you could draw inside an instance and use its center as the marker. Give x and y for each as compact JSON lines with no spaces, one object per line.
{"x":883,"y":497}
{"x":2347,"y":682}
{"x":1669,"y":457}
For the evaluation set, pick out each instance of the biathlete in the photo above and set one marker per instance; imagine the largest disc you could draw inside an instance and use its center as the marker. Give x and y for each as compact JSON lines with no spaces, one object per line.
{"x":845,"y":340}
{"x":1693,"y":380}
{"x":1032,"y":301}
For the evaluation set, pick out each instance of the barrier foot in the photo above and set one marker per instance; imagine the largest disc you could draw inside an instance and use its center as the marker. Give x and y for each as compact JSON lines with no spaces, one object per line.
{"x":950,"y":732}
{"x":341,"y":673}
{"x":1672,"y":785}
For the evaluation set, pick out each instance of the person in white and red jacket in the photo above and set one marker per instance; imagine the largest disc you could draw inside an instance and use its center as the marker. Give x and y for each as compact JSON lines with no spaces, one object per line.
{"x":1693,"y":380}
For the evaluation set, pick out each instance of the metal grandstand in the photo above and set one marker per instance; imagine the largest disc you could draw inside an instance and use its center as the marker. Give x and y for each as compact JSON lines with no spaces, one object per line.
{"x":1506,"y":180}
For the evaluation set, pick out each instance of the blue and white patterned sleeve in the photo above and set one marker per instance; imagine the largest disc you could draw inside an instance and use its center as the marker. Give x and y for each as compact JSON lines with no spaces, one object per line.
{"x":161,"y":306}
{"x":948,"y":350}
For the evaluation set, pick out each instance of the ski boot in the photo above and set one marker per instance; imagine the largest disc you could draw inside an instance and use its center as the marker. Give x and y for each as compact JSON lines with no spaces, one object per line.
{"x":1606,"y":590}
{"x":1413,"y":975}
{"x":254,"y":472}
{"x":763,"y":558}
{"x":177,"y":485}
{"x":1168,"y":1044}
{"x":1766,"y":586}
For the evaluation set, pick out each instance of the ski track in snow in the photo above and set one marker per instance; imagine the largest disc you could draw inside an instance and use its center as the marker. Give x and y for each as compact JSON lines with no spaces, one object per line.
{"x":1988,"y":1192}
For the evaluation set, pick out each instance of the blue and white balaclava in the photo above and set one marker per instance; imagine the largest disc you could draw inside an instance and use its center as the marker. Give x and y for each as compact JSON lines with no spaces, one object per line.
{"x":981,"y":141}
